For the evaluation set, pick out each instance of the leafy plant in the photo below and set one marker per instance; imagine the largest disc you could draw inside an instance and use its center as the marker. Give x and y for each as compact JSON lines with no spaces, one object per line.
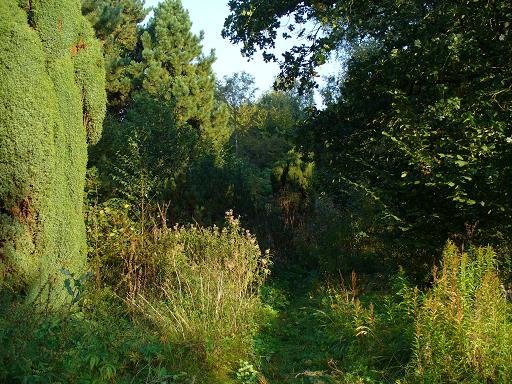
{"x":75,"y":286}
{"x":463,"y":330}
{"x":247,"y":374}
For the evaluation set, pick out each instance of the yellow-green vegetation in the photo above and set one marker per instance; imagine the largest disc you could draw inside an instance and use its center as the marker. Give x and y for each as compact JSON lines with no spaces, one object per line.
{"x":464,"y":327}
{"x":53,"y":103}
{"x":382,"y":208}
{"x":360,"y":331}
{"x":368,"y":329}
{"x":176,"y":305}
{"x":198,"y":287}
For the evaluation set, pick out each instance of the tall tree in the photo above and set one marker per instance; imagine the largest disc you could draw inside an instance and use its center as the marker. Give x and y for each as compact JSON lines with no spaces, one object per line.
{"x":238,"y":91}
{"x":422,"y":125}
{"x":116,"y":23}
{"x":52,"y":93}
{"x":172,"y":67}
{"x":172,"y":122}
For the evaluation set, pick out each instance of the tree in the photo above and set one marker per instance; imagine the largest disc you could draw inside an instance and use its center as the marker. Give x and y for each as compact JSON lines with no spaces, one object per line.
{"x":116,"y":23}
{"x":173,"y":68}
{"x":237,"y":91}
{"x":171,"y":122}
{"x":422,"y":122}
{"x":319,"y":25}
{"x":52,"y":94}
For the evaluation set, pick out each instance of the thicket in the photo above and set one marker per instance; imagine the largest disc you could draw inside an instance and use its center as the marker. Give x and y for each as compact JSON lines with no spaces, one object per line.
{"x":177,"y":305}
{"x":463,"y":326}
{"x":418,"y":120}
{"x":412,"y":148}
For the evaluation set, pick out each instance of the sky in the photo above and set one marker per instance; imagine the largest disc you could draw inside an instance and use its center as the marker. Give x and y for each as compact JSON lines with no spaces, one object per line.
{"x":208,"y":16}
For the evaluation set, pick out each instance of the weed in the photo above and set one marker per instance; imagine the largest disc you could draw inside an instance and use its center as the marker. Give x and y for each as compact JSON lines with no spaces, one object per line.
{"x":464,"y":329}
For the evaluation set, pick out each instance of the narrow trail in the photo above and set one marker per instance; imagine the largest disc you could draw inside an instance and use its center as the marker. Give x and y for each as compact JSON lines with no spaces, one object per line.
{"x":294,"y":348}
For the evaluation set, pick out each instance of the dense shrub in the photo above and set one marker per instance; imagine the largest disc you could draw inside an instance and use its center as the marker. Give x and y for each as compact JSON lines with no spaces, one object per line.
{"x":207,"y":293}
{"x":52,"y":93}
{"x":93,"y":344}
{"x":196,"y":286}
{"x":371,"y":328}
{"x":174,"y":305}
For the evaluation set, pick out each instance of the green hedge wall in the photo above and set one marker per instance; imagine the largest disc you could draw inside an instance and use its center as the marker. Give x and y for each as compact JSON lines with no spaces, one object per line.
{"x":52,"y":103}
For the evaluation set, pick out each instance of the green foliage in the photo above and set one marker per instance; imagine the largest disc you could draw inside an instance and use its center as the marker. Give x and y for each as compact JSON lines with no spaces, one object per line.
{"x":75,"y":286}
{"x":52,"y":103}
{"x":413,"y":147}
{"x":426,"y":145}
{"x":420,"y":124}
{"x":360,"y":332}
{"x":237,"y":90}
{"x":172,"y":68}
{"x":116,"y":24}
{"x":268,"y":183}
{"x":145,"y":159}
{"x":174,"y":305}
{"x":374,"y":330}
{"x":247,"y":374}
{"x":463,"y":328}
{"x":168,"y":136}
{"x":348,"y":238}
{"x":256,"y":26}
{"x":196,"y":286}
{"x":274,"y":297}
{"x":291,"y":183}
{"x":95,"y":343}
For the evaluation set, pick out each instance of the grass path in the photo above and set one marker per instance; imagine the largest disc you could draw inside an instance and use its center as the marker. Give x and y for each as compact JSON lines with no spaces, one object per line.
{"x":326,"y":333}
{"x":294,"y":348}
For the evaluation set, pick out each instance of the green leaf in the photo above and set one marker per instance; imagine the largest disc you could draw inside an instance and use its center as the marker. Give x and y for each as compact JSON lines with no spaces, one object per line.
{"x":461,"y":163}
{"x":67,"y":285}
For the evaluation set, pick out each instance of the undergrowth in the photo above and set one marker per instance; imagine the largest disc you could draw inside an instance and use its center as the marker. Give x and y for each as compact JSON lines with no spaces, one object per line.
{"x":334,"y":332}
{"x":194,"y":305}
{"x":176,"y":305}
{"x":377,"y":329}
{"x":464,"y":327}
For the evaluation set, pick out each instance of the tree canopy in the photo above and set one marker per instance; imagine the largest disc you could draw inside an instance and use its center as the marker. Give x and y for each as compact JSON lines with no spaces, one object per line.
{"x":422,"y":121}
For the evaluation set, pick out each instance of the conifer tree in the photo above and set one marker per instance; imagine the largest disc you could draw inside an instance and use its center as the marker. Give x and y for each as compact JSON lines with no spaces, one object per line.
{"x":174,"y":69}
{"x":116,"y":23}
{"x":172,"y":122}
{"x":52,"y":104}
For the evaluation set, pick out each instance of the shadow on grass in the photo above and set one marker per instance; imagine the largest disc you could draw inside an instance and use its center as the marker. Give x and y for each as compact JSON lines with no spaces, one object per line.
{"x":293,"y":345}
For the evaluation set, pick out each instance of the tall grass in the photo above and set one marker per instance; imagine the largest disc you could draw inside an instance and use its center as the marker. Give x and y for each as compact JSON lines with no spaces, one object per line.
{"x":197,"y":287}
{"x":371,"y":329}
{"x":464,"y":328}
{"x":162,"y":305}
{"x":207,"y":293}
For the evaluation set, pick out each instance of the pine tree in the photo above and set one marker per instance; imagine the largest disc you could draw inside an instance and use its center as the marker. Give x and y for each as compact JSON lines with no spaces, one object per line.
{"x":116,"y":23}
{"x":172,"y":124}
{"x":174,"y":69}
{"x":52,"y":93}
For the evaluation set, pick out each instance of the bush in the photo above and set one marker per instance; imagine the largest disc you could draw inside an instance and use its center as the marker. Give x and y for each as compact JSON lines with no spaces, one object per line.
{"x":93,"y":343}
{"x":207,"y":290}
{"x":197,"y":287}
{"x":169,"y":306}
{"x":464,"y":328}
